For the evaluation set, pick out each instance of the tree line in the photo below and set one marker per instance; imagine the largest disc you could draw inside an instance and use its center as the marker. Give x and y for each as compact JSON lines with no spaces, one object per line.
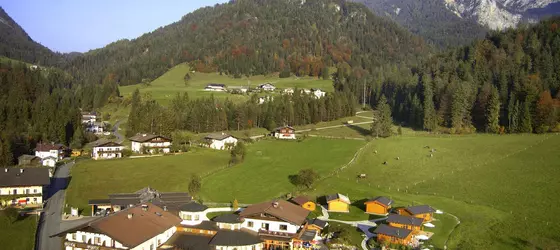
{"x":507,"y":82}
{"x":209,"y":114}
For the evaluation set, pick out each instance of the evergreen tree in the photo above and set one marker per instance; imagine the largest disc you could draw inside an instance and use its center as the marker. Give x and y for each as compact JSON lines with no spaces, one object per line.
{"x":526,"y":124}
{"x":493,"y":112}
{"x":381,"y":126}
{"x":430,"y":117}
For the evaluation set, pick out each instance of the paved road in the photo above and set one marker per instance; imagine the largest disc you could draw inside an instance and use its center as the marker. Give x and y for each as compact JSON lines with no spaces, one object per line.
{"x":120,"y":138}
{"x":51,"y":218}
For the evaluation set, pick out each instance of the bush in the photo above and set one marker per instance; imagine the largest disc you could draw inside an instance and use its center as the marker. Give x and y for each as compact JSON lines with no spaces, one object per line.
{"x":284,"y":74}
{"x":126,"y":152}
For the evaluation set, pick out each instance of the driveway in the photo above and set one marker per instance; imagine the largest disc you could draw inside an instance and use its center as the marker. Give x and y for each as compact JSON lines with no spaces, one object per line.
{"x":120,"y":138}
{"x":51,"y":217}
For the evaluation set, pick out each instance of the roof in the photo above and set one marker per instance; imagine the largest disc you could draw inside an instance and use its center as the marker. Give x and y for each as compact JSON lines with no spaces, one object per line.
{"x":382,"y":200}
{"x":405,"y":220}
{"x":42,"y":147}
{"x":316,"y":222}
{"x":300,"y":200}
{"x":228,"y":218}
{"x":340,"y":197}
{"x":421,"y":209}
{"x":401,"y":233}
{"x":107,"y":144}
{"x":308,"y":235}
{"x":266,"y":84}
{"x":215,"y":85}
{"x":131,"y":232}
{"x":280,"y":209}
{"x":14,"y":177}
{"x":146,"y":137}
{"x":234,"y":238}
{"x":278,"y":128}
{"x":218,"y":136}
{"x":27,"y":158}
{"x":204,"y":225}
{"x":188,"y":241}
{"x":99,"y":201}
{"x":193,"y":207}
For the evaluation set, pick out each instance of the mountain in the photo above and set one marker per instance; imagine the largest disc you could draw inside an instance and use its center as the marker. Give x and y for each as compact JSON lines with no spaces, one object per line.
{"x":502,"y":14}
{"x":15,"y":43}
{"x":253,"y":37}
{"x":430,"y":19}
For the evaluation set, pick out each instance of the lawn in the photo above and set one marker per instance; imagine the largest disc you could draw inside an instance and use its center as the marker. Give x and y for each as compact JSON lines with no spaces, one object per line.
{"x":168,"y":85}
{"x":96,"y":179}
{"x":268,"y":164}
{"x":485,"y":180}
{"x":19,"y":235}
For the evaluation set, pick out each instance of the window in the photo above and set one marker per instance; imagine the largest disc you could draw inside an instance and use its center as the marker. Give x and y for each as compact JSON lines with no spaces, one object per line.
{"x":284,"y":227}
{"x":27,"y":191}
{"x":197,"y":217}
{"x":34,"y":191}
{"x":151,"y":246}
{"x":73,"y":236}
{"x":15,"y":191}
{"x":96,"y":240}
{"x":250,"y":224}
{"x":189,"y":217}
{"x":84,"y":238}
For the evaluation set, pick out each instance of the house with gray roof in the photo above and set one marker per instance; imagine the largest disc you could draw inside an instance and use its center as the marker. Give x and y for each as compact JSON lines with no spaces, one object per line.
{"x":23,"y":186}
{"x":220,"y":141}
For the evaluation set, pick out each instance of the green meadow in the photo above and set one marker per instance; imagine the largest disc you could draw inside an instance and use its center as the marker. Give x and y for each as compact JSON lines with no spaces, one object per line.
{"x":18,"y":235}
{"x":164,"y":88}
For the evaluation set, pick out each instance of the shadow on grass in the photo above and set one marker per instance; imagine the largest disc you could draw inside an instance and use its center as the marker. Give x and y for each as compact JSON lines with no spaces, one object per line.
{"x":360,"y":130}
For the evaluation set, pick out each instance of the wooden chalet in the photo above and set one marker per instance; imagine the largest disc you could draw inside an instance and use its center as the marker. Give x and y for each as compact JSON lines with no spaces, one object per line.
{"x":424,"y":212}
{"x":304,"y":202}
{"x":406,"y":222}
{"x":379,"y":205}
{"x":394,"y":235}
{"x":338,"y":203}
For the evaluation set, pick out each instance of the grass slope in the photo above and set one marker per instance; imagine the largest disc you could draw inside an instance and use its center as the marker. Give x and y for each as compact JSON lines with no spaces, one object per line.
{"x":164,"y":88}
{"x":492,"y":183}
{"x":96,"y":179}
{"x":19,"y":235}
{"x":264,"y":173}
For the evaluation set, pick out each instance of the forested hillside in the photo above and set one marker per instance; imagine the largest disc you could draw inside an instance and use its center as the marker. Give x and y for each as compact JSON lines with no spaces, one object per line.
{"x":508,"y":82}
{"x":16,"y":44}
{"x":253,"y":37}
{"x":429,"y":19}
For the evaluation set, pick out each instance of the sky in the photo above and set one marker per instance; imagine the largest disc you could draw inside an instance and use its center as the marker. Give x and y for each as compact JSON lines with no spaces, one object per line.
{"x":82,"y":25}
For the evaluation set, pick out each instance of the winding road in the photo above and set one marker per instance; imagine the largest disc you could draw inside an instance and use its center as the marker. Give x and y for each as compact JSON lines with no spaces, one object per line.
{"x":120,"y":138}
{"x":51,"y":217}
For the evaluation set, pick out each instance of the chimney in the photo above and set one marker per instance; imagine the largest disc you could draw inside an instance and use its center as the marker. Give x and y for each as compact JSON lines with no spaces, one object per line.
{"x":129,"y":216}
{"x":164,"y":208}
{"x":275,"y":204}
{"x":5,"y":170}
{"x":144,"y":135}
{"x":21,"y":171}
{"x":144,"y":207}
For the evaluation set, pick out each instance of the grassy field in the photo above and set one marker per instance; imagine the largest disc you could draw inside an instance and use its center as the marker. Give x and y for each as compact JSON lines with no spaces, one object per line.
{"x":502,"y":188}
{"x":168,"y":85}
{"x":96,"y":179}
{"x":19,"y":235}
{"x":268,"y":165}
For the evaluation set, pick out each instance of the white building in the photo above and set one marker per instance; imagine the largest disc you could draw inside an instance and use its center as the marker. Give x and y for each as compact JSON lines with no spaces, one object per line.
{"x":142,"y":227}
{"x":267,"y":87}
{"x":288,"y":91}
{"x":149,"y":143}
{"x":280,"y":218}
{"x":89,"y":117}
{"x":238,"y":89}
{"x":107,"y":150}
{"x":23,"y":185}
{"x":285,"y":132}
{"x":50,"y":154}
{"x":192,"y":213}
{"x":95,"y":127}
{"x":220,"y":141}
{"x":317,"y":93}
{"x":215,"y":87}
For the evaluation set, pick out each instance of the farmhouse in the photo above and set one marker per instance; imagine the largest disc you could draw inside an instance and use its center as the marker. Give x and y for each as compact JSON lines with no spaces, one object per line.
{"x":288,"y":91}
{"x":394,"y":235}
{"x":95,"y":127}
{"x":150,"y":143}
{"x":304,"y":202}
{"x":23,"y":186}
{"x":279,"y":223}
{"x":238,"y":89}
{"x":285,"y":132}
{"x":145,"y":226}
{"x":424,"y":212}
{"x":117,"y":202}
{"x":406,"y":222}
{"x":267,"y":87}
{"x":224,"y":232}
{"x":192,"y":213}
{"x":89,"y":117}
{"x":338,"y":203}
{"x":379,"y":205}
{"x":220,"y":141}
{"x":29,"y":160}
{"x":317,"y":93}
{"x":107,"y":150}
{"x":50,"y":154}
{"x":215,"y":87}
